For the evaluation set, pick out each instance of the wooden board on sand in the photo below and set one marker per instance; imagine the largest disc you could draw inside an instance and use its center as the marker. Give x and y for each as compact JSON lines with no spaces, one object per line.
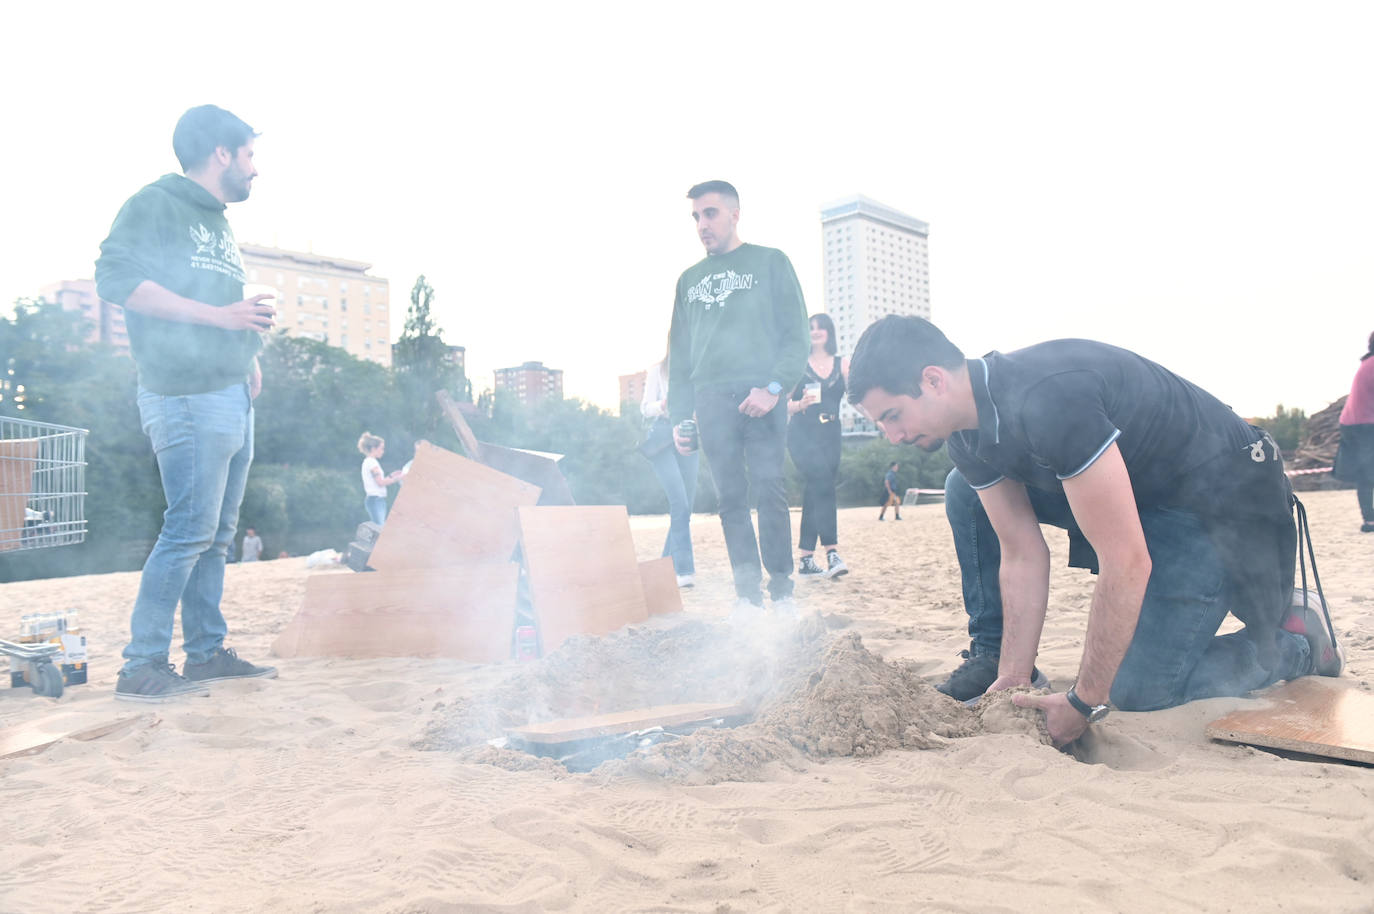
{"x":36,"y":735}
{"x":568,"y":729}
{"x":661,"y":593}
{"x":1314,"y":714}
{"x":582,"y":570}
{"x":466,"y":613}
{"x":450,"y":511}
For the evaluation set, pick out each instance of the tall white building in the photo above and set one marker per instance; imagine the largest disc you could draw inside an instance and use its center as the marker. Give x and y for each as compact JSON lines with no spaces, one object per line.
{"x":876,"y":263}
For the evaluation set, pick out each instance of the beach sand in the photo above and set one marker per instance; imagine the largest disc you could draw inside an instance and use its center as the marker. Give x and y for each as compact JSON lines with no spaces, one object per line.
{"x":368,"y":785}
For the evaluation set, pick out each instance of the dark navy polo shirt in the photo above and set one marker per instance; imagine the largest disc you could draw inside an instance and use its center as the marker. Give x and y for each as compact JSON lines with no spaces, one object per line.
{"x":1047,"y":412}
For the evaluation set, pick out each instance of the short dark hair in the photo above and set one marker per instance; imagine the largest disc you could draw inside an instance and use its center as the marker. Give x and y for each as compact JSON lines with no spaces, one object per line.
{"x":829,"y":327}
{"x":892,"y":465}
{"x":893,"y":352}
{"x":724,"y":188}
{"x":202,"y":130}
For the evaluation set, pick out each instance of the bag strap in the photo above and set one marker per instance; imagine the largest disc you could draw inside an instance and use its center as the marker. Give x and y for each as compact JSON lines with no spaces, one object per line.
{"x":1305,"y":536}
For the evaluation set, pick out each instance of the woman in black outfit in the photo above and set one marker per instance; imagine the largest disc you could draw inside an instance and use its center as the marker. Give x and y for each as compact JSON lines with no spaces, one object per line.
{"x":813,"y":440}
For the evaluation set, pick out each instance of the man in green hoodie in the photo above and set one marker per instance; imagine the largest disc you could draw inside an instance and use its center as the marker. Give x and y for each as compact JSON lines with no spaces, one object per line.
{"x":738,"y":342}
{"x":172,"y":263}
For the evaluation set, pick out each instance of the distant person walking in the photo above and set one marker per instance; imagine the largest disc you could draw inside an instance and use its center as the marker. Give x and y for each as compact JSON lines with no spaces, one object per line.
{"x":890,"y":497}
{"x":252,"y":545}
{"x":813,"y":440}
{"x":374,"y":480}
{"x":738,"y":340}
{"x":1355,"y":456}
{"x":171,"y":262}
{"x":676,"y":472}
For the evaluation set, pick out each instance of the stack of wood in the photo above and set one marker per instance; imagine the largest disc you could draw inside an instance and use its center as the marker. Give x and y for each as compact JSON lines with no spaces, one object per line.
{"x":466,"y":550}
{"x":1321,"y":439}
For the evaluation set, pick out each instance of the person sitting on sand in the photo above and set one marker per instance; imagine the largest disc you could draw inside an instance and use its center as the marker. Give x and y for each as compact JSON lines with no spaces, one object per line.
{"x":1179,"y":505}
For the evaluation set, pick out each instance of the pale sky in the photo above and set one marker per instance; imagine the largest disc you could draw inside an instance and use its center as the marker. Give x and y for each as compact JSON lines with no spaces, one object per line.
{"x":1191,"y":180}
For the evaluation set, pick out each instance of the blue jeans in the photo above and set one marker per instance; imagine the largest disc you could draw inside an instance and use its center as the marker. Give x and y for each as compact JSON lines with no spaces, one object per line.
{"x":1175,"y":655}
{"x":677,"y":473}
{"x":376,"y":508}
{"x":204,"y":446}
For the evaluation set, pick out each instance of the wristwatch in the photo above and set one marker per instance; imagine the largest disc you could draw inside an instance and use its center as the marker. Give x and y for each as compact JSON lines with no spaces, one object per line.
{"x":1093,"y":713}
{"x":774,"y":388}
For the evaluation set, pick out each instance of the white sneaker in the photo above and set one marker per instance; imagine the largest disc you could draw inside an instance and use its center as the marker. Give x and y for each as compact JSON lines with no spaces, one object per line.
{"x":685,"y":580}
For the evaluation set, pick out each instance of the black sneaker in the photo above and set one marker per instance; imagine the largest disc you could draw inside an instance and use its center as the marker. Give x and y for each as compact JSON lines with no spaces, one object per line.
{"x":976,"y":673}
{"x":807,"y":568}
{"x":225,"y":664}
{"x":154,"y":683}
{"x":835,"y":566}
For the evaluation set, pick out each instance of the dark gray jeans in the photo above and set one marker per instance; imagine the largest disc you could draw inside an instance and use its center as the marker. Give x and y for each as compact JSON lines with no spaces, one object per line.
{"x":748,"y":454}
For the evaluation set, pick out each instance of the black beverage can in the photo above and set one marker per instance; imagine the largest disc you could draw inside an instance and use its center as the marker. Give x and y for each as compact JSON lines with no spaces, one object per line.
{"x":687,"y":430}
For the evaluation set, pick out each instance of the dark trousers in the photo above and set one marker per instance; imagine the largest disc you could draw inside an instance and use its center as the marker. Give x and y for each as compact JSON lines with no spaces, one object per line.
{"x":748,"y":453}
{"x":816,"y":453}
{"x":1175,"y":655}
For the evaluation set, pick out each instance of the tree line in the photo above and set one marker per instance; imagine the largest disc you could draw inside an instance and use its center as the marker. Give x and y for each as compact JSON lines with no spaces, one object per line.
{"x":305,"y":489}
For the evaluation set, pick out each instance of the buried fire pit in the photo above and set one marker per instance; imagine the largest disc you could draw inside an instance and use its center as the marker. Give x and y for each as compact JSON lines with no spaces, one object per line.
{"x":796,"y":689}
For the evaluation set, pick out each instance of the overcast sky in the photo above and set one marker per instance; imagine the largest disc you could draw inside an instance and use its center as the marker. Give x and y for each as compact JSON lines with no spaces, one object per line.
{"x":1191,"y":180}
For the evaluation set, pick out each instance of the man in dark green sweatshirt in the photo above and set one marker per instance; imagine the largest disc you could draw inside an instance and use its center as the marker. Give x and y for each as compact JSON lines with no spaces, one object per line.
{"x":739,"y":340}
{"x":172,"y":263}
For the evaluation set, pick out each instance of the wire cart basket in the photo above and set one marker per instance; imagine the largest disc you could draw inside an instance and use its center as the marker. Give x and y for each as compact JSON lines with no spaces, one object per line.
{"x":42,"y":504}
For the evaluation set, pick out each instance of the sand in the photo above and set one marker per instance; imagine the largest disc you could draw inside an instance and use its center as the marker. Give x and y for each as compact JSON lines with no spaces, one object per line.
{"x":370,"y":786}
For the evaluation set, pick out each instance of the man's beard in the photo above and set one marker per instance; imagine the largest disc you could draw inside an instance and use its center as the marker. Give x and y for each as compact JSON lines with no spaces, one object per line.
{"x":235,"y":186}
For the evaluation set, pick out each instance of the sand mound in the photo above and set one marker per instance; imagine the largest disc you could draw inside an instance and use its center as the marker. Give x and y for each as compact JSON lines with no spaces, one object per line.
{"x":811,"y":693}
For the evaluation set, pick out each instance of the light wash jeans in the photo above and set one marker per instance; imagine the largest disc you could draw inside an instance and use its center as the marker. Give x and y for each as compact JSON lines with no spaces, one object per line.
{"x":204,"y":446}
{"x":1176,"y":655}
{"x":375,"y":506}
{"x":677,"y":473}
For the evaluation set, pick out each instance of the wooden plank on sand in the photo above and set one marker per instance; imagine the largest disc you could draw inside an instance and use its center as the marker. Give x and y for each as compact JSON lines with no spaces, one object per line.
{"x":1314,"y":714}
{"x":569,"y":729}
{"x":450,"y":511}
{"x":661,"y":593}
{"x":582,"y":571}
{"x":466,"y":613}
{"x":36,"y":735}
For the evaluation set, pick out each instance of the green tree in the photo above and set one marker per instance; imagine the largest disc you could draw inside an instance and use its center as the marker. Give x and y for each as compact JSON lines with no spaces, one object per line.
{"x":423,"y":365}
{"x":1286,"y":427}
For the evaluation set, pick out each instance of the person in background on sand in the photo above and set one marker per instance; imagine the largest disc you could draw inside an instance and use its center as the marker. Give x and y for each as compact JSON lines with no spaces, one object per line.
{"x":252,"y":545}
{"x":172,"y":264}
{"x":890,"y":497}
{"x":1181,"y":507}
{"x":738,"y":340}
{"x":813,"y":440}
{"x":1355,"y":456}
{"x":676,"y":472}
{"x":374,"y":480}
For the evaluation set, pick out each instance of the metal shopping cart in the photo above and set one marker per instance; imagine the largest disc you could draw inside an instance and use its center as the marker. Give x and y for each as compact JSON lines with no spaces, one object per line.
{"x":42,"y":504}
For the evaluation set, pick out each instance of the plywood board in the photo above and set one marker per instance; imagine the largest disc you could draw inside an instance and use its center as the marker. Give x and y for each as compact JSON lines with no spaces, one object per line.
{"x":18,"y":456}
{"x":661,"y":593}
{"x":466,"y":613}
{"x":460,"y":425}
{"x":574,"y":728}
{"x":582,"y":572}
{"x":35,"y":736}
{"x":533,"y":467}
{"x":450,"y":511}
{"x":1316,"y":715}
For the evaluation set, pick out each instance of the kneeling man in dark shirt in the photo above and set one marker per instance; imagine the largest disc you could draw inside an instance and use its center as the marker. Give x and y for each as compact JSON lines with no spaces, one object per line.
{"x":1180,"y":507}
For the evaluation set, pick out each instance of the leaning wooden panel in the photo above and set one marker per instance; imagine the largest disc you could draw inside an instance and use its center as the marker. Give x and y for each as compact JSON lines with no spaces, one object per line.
{"x":661,"y":593}
{"x":466,"y":613}
{"x":451,"y":511}
{"x":18,"y":457}
{"x":1315,"y":715}
{"x":582,"y":570}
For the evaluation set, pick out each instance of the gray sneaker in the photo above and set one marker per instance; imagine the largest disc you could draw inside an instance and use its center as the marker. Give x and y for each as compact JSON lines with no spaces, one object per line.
{"x":154,"y":683}
{"x":807,"y":568}
{"x":835,"y":566}
{"x":226,"y":664}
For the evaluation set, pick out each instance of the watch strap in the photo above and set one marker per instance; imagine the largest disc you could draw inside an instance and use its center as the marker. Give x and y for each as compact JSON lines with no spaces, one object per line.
{"x":1079,"y":705}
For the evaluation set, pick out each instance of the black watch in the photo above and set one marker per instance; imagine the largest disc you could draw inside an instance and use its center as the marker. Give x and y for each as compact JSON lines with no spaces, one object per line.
{"x":1093,"y":713}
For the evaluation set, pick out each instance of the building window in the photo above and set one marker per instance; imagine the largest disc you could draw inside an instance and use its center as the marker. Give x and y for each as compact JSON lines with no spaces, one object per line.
{"x":343,"y":304}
